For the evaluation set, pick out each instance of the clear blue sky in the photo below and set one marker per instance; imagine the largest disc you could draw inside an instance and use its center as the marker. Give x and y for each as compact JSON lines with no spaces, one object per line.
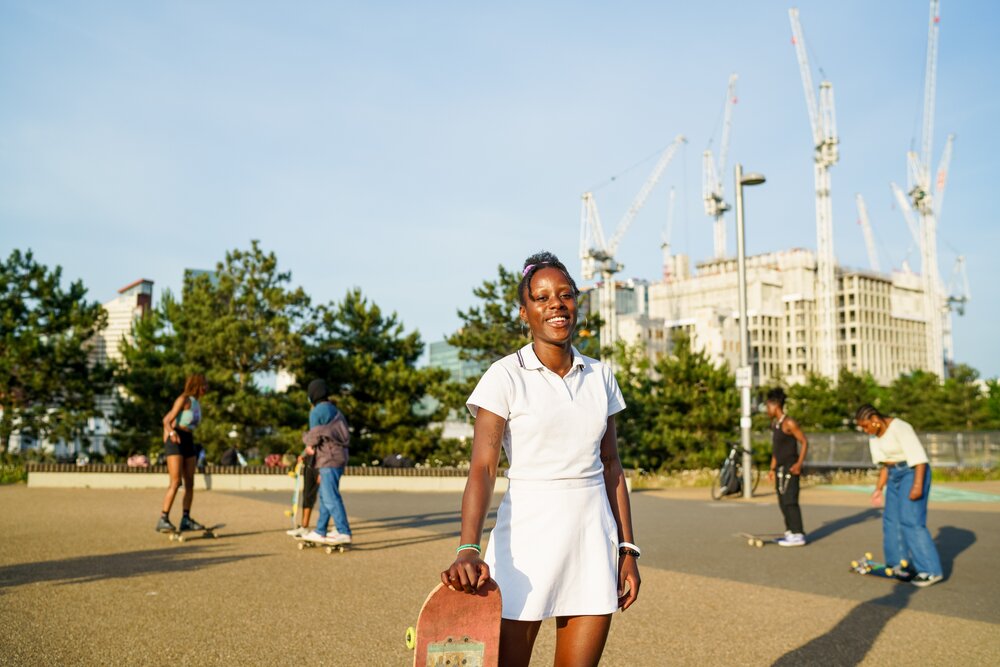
{"x":410,"y":148}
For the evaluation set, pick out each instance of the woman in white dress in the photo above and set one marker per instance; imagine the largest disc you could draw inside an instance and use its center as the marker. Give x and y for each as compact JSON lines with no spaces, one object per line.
{"x":562,"y":546}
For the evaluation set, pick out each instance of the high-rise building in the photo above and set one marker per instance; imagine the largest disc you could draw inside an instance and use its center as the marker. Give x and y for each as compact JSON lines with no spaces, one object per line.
{"x":881,"y":323}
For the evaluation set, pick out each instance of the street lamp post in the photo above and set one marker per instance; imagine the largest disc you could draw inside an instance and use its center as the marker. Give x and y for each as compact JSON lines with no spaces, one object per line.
{"x":744,"y":374}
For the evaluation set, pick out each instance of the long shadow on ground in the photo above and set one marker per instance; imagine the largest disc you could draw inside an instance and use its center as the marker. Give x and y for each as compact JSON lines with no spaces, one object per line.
{"x":831,"y":527}
{"x":86,"y":569}
{"x":853,"y":637}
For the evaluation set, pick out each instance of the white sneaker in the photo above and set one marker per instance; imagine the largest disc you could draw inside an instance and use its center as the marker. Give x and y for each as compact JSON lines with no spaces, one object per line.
{"x":313,"y":536}
{"x":338,"y":538}
{"x":297,"y":532}
{"x":793,"y":540}
{"x":923,"y":579}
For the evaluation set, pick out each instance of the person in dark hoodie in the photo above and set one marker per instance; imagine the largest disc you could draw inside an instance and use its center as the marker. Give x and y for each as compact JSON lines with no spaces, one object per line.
{"x":328,"y":438}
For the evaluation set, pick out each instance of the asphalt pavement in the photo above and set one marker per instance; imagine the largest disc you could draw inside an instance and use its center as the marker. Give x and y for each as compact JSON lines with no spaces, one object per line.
{"x":85,"y":580}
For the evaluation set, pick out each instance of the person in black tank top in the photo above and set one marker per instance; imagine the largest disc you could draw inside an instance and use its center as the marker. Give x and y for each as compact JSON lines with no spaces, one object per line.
{"x":786,"y":466}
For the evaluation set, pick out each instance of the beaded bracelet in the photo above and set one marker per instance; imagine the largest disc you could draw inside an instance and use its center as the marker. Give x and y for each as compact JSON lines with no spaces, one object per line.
{"x":628,"y":549}
{"x":469,"y":546}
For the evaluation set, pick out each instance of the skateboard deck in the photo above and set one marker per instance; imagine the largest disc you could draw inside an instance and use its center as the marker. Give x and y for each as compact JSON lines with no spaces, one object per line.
{"x":297,"y":475}
{"x":760,"y":540}
{"x":866,"y":565}
{"x":458,"y":628}
{"x":328,"y":548}
{"x":184,"y":535}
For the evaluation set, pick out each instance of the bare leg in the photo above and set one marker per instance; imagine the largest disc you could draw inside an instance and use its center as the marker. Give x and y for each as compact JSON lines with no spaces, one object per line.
{"x":174,"y":465}
{"x":189,"y":468}
{"x":517,"y":638}
{"x":306,"y":513}
{"x":580,"y":640}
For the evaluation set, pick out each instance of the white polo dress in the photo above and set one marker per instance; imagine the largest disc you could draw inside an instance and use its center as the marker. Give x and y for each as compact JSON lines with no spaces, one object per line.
{"x":554,"y":549}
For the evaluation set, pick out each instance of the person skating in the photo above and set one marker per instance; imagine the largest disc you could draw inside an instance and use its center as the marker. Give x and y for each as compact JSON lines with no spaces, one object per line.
{"x":905,"y":477}
{"x":563,"y":545}
{"x":310,"y":489}
{"x":788,"y":452}
{"x":181,"y":452}
{"x":328,"y":438}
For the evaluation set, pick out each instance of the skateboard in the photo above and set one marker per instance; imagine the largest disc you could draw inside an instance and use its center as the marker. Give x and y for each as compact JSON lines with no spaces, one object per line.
{"x":297,"y":475}
{"x":760,"y":540}
{"x":457,"y":628}
{"x":868,"y":566}
{"x":328,"y":548}
{"x":207,"y":532}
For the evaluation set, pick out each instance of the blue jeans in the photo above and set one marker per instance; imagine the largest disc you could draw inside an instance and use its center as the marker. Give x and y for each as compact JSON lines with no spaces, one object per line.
{"x":331,"y":505}
{"x":904,"y":523}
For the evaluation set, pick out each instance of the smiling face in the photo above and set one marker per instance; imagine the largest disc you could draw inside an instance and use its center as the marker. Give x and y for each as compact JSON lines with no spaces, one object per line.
{"x":550,"y":307}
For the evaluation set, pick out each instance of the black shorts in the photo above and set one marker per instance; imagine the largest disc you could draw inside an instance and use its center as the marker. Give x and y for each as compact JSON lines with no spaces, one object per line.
{"x":185,"y":447}
{"x":310,"y":487}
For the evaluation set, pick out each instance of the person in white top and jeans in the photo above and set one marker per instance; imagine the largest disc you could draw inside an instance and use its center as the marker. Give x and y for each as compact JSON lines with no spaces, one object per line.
{"x":905,"y":476}
{"x":563,"y":545}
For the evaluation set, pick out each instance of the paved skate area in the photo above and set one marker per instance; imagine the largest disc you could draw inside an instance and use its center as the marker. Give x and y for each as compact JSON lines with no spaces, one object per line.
{"x":85,"y":580}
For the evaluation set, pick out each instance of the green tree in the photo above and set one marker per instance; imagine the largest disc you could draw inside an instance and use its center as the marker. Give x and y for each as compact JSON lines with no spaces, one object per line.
{"x":814,"y":404}
{"x":48,"y":381}
{"x":916,"y":397}
{"x":855,"y":390}
{"x":963,"y":404}
{"x":369,"y":361}
{"x":682,"y":408}
{"x":235,"y":325}
{"x":992,"y":403}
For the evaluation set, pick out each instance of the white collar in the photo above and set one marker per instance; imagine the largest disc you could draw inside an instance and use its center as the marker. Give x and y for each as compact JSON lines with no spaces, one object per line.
{"x":528,"y":360}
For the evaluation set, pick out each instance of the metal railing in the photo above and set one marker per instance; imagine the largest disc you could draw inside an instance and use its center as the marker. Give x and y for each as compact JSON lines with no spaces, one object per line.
{"x":956,"y":449}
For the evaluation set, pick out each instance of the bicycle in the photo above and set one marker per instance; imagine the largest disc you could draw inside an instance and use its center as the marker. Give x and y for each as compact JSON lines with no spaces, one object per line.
{"x":729,"y":479}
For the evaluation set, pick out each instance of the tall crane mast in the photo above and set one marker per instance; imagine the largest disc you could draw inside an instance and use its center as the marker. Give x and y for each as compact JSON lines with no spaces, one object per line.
{"x":711,"y":182}
{"x":823,"y":121}
{"x":598,"y":256}
{"x":923,"y":193}
{"x":866,"y":230}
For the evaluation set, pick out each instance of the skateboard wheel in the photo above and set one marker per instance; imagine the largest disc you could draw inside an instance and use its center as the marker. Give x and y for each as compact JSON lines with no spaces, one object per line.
{"x":759,"y":544}
{"x":411,"y":637}
{"x":329,"y":550}
{"x":302,"y":545}
{"x":888,"y":571}
{"x":750,"y":541}
{"x":180,"y":538}
{"x":854,"y":563}
{"x":868,"y":555}
{"x":904,"y":563}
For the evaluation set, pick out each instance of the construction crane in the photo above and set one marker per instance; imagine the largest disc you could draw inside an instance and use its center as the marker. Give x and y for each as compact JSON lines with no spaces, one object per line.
{"x":822,"y":118}
{"x":958,"y":295}
{"x":668,"y":261}
{"x":936,"y":305}
{"x":711,"y":181}
{"x":866,"y":230}
{"x":598,"y":256}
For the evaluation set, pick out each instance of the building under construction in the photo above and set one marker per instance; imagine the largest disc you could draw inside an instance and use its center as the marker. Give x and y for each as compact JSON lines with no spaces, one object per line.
{"x":881,"y":324}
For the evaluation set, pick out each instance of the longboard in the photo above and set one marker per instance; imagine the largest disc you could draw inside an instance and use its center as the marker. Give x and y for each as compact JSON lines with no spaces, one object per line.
{"x":207,"y":533}
{"x":867,"y":565}
{"x":328,"y":548}
{"x":760,"y":540}
{"x":458,"y":628}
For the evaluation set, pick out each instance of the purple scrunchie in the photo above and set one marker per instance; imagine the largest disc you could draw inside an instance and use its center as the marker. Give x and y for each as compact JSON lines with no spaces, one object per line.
{"x":528,"y":268}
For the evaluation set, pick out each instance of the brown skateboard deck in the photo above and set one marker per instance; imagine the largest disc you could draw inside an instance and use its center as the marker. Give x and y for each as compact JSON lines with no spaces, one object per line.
{"x":458,"y":628}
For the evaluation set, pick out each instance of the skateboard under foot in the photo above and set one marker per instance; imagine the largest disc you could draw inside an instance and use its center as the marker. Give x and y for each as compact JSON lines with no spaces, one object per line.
{"x":760,"y":540}
{"x":328,"y":548}
{"x":457,"y":628}
{"x":867,"y":565}
{"x":185,"y":535}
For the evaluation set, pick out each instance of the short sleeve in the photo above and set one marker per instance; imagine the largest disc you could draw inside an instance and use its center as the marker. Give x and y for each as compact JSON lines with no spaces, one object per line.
{"x":875,"y":450}
{"x":493,"y":392}
{"x":912,"y":449}
{"x":616,"y":402}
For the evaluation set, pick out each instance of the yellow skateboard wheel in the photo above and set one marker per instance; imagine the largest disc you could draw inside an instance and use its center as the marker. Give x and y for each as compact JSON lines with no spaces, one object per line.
{"x":854,"y":563}
{"x":868,"y":555}
{"x":888,"y":571}
{"x":750,"y":541}
{"x":904,"y":563}
{"x":411,"y":638}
